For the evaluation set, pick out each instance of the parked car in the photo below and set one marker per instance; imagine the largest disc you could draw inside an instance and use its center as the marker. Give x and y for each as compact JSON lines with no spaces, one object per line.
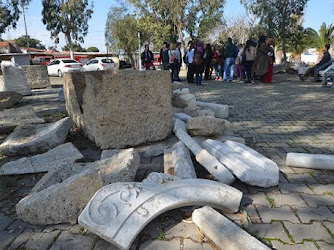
{"x":101,"y":63}
{"x":124,"y":65}
{"x":59,"y":66}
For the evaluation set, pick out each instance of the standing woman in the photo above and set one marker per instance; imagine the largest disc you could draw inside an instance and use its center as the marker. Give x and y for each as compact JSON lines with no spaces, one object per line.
{"x":262,"y":58}
{"x":269,"y":76}
{"x":173,"y":62}
{"x":216,"y":63}
{"x":198,"y":62}
{"x":239,"y":64}
{"x":208,"y":55}
{"x":190,"y":58}
{"x":248,"y":57}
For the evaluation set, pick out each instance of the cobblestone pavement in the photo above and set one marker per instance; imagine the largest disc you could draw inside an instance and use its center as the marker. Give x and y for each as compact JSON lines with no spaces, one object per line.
{"x":286,"y":116}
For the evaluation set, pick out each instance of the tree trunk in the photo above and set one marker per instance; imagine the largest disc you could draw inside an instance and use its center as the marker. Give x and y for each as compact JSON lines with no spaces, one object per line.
{"x":69,"y":42}
{"x":180,"y":38}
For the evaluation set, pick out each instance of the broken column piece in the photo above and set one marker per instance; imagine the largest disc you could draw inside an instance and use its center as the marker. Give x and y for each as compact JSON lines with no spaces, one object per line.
{"x":223,"y":232}
{"x":182,"y":163}
{"x":314,"y":161}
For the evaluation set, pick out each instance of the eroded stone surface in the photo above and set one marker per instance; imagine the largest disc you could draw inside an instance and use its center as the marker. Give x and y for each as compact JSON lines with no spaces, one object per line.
{"x":168,"y":162}
{"x":43,"y":162}
{"x":14,"y":79}
{"x":182,"y":116}
{"x":220,"y":111}
{"x":183,"y":165}
{"x":224,"y":232}
{"x":118,"y":212}
{"x":37,"y":76}
{"x":220,"y":138}
{"x":210,"y":163}
{"x":34,"y":139}
{"x":9,"y":98}
{"x":11,"y":118}
{"x":126,"y":109}
{"x":245,"y":163}
{"x":61,"y":202}
{"x":203,"y":125}
{"x":314,"y":161}
{"x":182,"y":98}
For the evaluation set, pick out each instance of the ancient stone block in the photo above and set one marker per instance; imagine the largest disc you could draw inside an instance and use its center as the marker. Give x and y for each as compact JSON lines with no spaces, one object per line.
{"x":168,"y":162}
{"x":37,"y":76}
{"x":224,"y":232}
{"x":182,"y":98}
{"x":313,"y":161}
{"x":126,"y":109}
{"x":205,"y":125}
{"x":9,"y":98}
{"x":183,"y":165}
{"x":182,"y":116}
{"x":245,"y":163}
{"x":61,"y":202}
{"x":220,"y":138}
{"x":42,"y":162}
{"x":118,"y":212}
{"x":14,"y":79}
{"x":34,"y":139}
{"x":220,"y":111}
{"x":11,"y":118}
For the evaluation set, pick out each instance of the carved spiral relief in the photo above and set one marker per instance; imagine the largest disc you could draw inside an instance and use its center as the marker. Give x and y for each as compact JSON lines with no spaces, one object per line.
{"x":103,"y":213}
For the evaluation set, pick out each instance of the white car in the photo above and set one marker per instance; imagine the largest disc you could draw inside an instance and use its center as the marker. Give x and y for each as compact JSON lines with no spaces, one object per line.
{"x":58,"y":67}
{"x":102,"y":63}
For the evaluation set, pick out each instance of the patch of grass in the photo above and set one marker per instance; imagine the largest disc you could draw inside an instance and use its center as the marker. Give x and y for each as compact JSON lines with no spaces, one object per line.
{"x":271,"y":201}
{"x":161,"y":235}
{"x":328,"y":193}
{"x":54,"y":117}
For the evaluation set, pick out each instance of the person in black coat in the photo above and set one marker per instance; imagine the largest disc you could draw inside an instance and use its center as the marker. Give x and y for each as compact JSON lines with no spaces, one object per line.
{"x":208,"y":56}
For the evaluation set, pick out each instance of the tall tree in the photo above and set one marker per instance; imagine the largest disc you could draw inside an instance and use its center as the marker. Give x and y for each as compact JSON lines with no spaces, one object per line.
{"x":9,"y":14}
{"x":278,"y":16}
{"x":75,"y":46}
{"x":92,"y":49}
{"x":33,"y":43}
{"x":69,"y":17}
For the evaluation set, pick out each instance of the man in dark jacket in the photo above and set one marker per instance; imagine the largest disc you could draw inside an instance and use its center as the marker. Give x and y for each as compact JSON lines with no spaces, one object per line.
{"x":326,"y":58}
{"x":231,"y":52}
{"x":165,"y":58}
{"x":147,"y":58}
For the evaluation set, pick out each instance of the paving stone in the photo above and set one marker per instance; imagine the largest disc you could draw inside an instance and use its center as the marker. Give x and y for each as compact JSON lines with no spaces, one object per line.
{"x":321,"y":189}
{"x":308,"y":214}
{"x":39,"y":240}
{"x":292,"y":199}
{"x":325,"y":246}
{"x":66,"y":240}
{"x":301,"y":178}
{"x":161,"y":244}
{"x":277,"y":214}
{"x":318,"y":200}
{"x":315,"y":231}
{"x":256,"y":199}
{"x":325,"y":178}
{"x":21,"y":239}
{"x":306,"y":246}
{"x":182,"y":229}
{"x":274,"y":230}
{"x":287,"y":188}
{"x":5,"y":221}
{"x":191,"y":245}
{"x":282,"y":177}
{"x":252,"y":214}
{"x":105,"y":245}
{"x":330,"y":226}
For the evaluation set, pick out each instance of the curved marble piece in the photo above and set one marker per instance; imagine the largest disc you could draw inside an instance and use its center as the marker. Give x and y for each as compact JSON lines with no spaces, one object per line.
{"x":119,"y":211}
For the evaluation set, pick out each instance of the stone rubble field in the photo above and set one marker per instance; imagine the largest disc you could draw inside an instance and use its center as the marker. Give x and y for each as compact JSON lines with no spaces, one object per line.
{"x":219,"y":166}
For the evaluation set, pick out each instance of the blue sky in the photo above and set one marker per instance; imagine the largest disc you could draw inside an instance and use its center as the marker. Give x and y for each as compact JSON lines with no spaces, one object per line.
{"x":317,"y":12}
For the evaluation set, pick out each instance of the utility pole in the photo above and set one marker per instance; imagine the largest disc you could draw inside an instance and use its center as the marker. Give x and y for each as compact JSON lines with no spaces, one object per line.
{"x":25,"y":26}
{"x":139,"y":56}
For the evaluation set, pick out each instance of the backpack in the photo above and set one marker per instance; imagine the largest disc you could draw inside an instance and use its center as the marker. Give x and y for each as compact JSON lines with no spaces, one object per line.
{"x":185,"y":58}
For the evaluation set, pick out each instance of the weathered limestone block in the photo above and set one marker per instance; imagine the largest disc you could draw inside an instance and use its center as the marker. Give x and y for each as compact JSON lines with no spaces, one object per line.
{"x":14,"y":79}
{"x":182,"y":116}
{"x":313,"y":161}
{"x":118,"y":212}
{"x":182,"y":98}
{"x":205,"y":125}
{"x":11,"y":118}
{"x":37,"y":76}
{"x":183,"y":165}
{"x":223,"y":232}
{"x":229,"y":129}
{"x":245,"y":163}
{"x":220,"y":138}
{"x":197,"y":111}
{"x":210,"y":163}
{"x":220,"y":111}
{"x":9,"y":98}
{"x":178,"y":85}
{"x":126,"y":109}
{"x":42,"y":162}
{"x":121,"y":167}
{"x":61,"y":202}
{"x":160,"y":178}
{"x":168,"y":162}
{"x":105,"y":154}
{"x":206,"y":112}
{"x":34,"y":139}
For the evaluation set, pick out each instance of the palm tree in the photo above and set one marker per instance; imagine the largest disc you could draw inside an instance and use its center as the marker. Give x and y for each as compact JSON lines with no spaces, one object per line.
{"x":326,"y":35}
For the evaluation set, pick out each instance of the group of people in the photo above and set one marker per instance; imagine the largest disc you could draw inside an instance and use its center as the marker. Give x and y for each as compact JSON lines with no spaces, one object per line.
{"x":251,"y":61}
